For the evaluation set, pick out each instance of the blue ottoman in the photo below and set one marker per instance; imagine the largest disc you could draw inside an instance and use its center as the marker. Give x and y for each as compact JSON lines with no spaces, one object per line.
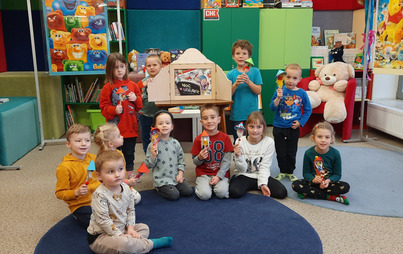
{"x":19,"y":128}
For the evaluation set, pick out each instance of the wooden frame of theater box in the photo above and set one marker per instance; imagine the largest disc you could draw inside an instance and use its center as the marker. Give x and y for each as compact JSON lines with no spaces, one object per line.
{"x":191,"y":78}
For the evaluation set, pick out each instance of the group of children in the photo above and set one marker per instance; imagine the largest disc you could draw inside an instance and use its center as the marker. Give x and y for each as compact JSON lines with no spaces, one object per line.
{"x":104,"y":201}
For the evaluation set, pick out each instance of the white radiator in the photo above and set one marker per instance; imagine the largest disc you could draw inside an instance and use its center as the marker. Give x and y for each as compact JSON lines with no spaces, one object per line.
{"x":387,"y":116}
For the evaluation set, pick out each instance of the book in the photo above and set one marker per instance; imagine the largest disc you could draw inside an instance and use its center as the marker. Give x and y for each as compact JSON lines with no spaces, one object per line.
{"x":212,"y":4}
{"x":297,"y":3}
{"x":252,"y":4}
{"x":346,"y":39}
{"x":141,"y":62}
{"x":232,"y":3}
{"x":329,"y":38}
{"x":315,"y":37}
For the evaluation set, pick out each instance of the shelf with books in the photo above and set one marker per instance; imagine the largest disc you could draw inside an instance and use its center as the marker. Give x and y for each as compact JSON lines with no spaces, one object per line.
{"x":114,"y":27}
{"x":80,"y":93}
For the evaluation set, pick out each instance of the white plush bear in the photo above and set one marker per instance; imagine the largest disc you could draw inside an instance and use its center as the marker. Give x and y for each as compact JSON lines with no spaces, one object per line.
{"x":329,"y":87}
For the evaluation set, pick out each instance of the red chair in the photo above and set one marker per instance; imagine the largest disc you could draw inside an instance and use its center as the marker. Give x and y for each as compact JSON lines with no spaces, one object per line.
{"x":344,"y":128}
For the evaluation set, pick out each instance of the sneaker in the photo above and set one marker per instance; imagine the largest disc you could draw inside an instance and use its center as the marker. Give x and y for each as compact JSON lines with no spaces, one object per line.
{"x":301,"y":196}
{"x":342,"y":199}
{"x":292,"y":177}
{"x":280,"y":176}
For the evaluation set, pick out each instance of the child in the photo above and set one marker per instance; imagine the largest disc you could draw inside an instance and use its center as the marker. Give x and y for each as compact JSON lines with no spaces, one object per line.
{"x":253,"y":157}
{"x":121,"y":108}
{"x":322,"y":168}
{"x":213,"y":161}
{"x":108,"y":138}
{"x":147,"y":113}
{"x":166,"y":159}
{"x":72,"y":174}
{"x":246,"y":85}
{"x":288,"y":118}
{"x":113,"y":227}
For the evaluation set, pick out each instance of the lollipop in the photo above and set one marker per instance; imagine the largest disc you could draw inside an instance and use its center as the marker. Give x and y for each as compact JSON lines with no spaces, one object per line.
{"x":90,"y":169}
{"x":280,"y":78}
{"x":205,"y":140}
{"x":240,"y":129}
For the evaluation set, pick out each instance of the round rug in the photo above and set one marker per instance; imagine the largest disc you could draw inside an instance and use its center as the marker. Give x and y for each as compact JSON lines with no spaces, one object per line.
{"x":251,"y":224}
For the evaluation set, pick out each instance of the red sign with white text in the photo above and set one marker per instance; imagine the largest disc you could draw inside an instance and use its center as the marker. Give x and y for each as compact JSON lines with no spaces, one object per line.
{"x":211,"y":14}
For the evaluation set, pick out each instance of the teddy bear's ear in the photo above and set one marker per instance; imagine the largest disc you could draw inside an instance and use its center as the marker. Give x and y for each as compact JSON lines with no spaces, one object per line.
{"x":318,"y":70}
{"x":351,"y":72}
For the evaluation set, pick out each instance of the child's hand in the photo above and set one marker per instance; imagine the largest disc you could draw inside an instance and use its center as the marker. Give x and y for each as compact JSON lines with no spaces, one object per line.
{"x":154,"y":150}
{"x":132,"y":96}
{"x":317,"y":179}
{"x":132,"y":181}
{"x":237,"y":150}
{"x":324,"y":184}
{"x":179,"y":177}
{"x":245,"y":78}
{"x":203,"y":154}
{"x":214,"y":180}
{"x":295,"y":124}
{"x":279,"y":93}
{"x":119,"y":109}
{"x":133,"y":233}
{"x":81,"y":191}
{"x":265,"y":190}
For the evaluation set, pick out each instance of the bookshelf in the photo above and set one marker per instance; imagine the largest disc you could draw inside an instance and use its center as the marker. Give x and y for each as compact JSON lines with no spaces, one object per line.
{"x":113,"y":35}
{"x":79,"y":94}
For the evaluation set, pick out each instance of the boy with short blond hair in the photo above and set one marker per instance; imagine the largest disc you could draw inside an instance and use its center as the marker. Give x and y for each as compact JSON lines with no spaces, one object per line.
{"x":213,"y":161}
{"x":246,"y":85}
{"x":74,"y":185}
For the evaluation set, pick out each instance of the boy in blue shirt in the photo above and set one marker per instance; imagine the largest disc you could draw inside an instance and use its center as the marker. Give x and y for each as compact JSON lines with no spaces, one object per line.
{"x":288,"y":118}
{"x":246,"y":85}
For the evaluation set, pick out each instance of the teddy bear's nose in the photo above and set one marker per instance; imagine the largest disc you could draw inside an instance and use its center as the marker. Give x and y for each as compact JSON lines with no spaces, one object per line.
{"x":327,"y":78}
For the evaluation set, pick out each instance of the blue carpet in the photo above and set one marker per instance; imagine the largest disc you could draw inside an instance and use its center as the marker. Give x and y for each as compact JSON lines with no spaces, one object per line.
{"x":374,"y":175}
{"x":252,"y":224}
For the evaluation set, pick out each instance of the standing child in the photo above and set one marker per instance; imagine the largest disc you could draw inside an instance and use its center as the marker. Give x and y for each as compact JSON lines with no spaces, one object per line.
{"x":322,"y":168}
{"x":253,"y":157}
{"x":213,"y":161}
{"x":288,"y":118}
{"x":108,"y":138}
{"x":166,"y":160}
{"x":72,"y":174}
{"x":246,"y":84}
{"x":113,"y":227}
{"x":147,"y":113}
{"x":120,"y":101}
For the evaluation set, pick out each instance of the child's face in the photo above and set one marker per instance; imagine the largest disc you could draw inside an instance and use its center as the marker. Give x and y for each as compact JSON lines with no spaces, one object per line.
{"x":255,"y":130}
{"x":210,"y":120}
{"x":322,"y":138}
{"x":120,"y":70}
{"x":79,"y":144}
{"x":153,"y":67}
{"x":292,"y":78}
{"x":239,"y":56}
{"x":112,"y":174}
{"x":164,"y":124}
{"x":117,"y":139}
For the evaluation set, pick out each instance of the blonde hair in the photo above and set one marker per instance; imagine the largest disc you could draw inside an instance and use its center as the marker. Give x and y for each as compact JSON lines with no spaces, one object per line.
{"x":77,"y":128}
{"x":103,"y":135}
{"x":105,"y":157}
{"x":111,"y":64}
{"x":293,"y":66}
{"x":323,"y":125}
{"x":209,"y":106}
{"x":156,"y":58}
{"x":243,"y":44}
{"x":257,"y":118}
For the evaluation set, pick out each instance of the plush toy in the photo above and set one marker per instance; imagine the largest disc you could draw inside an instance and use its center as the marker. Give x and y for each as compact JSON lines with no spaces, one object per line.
{"x":133,"y":59}
{"x":329,"y":87}
{"x":72,"y":22}
{"x":97,"y":23}
{"x":96,"y":60}
{"x":60,"y":38}
{"x":165,"y":58}
{"x":73,"y":65}
{"x":77,"y":51}
{"x":55,"y":21}
{"x":84,"y":12}
{"x":98,"y":42}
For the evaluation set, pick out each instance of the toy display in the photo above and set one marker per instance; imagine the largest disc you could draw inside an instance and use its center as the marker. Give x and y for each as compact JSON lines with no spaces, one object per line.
{"x":329,"y":87}
{"x":240,"y":130}
{"x":90,"y":169}
{"x":76,"y":28}
{"x":205,"y":140}
{"x":280,"y":78}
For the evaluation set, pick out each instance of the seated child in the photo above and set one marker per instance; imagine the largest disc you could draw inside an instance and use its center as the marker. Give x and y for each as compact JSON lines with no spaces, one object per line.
{"x":213,"y":161}
{"x":166,"y":160}
{"x":322,"y":168}
{"x":108,"y":138}
{"x":113,"y":227}
{"x":74,"y":183}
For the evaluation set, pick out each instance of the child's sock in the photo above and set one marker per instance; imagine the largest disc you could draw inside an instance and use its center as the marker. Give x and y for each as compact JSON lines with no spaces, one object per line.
{"x":162,"y":242}
{"x":301,"y":196}
{"x":340,"y":199}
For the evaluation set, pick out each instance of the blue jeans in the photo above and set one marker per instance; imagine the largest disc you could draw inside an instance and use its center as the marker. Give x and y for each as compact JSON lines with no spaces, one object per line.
{"x":145,"y":126}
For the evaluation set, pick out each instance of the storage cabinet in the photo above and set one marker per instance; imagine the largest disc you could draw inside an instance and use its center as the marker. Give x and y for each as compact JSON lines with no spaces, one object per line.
{"x":113,"y":41}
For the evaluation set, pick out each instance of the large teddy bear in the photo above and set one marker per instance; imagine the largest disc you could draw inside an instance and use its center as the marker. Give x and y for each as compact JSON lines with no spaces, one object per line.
{"x":329,"y":87}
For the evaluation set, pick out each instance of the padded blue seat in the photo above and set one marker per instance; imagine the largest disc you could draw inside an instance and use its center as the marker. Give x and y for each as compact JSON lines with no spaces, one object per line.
{"x":19,"y":128}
